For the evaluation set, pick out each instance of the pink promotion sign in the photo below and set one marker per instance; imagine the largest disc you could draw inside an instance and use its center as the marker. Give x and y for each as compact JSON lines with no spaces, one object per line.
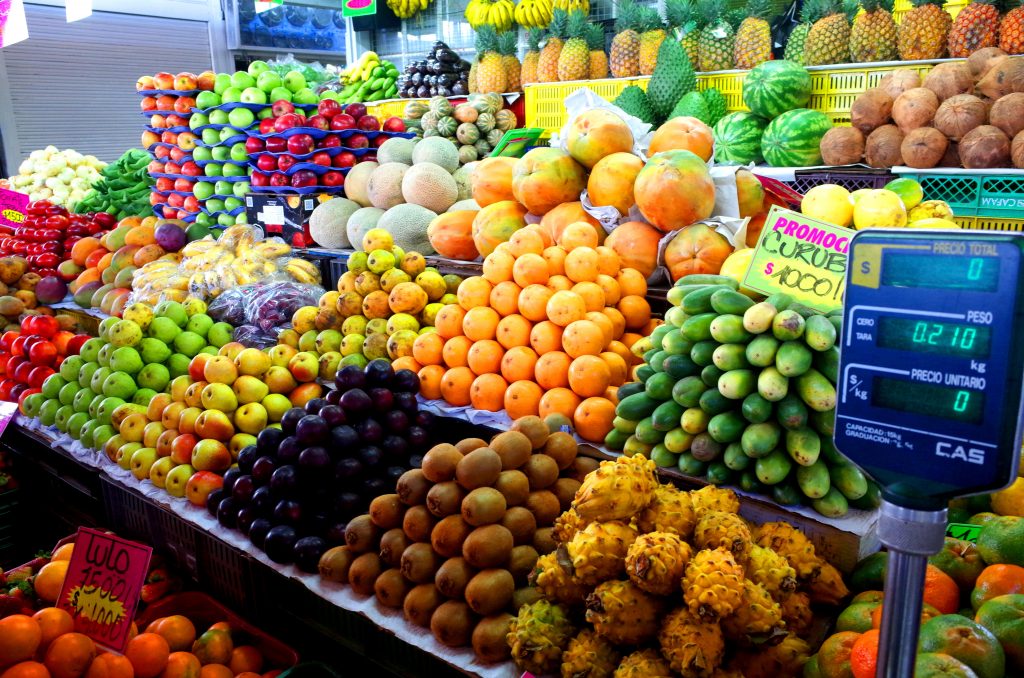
{"x":12,"y":207}
{"x":102,"y":586}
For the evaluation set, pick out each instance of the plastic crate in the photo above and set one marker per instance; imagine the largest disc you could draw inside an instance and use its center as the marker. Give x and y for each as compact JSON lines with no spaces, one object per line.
{"x":901,"y":7}
{"x":392,"y":107}
{"x":128,"y":513}
{"x":851,"y":181}
{"x":176,"y":538}
{"x":990,"y":223}
{"x":545,"y":102}
{"x":224,"y":570}
{"x":835,"y":88}
{"x":975,"y":194}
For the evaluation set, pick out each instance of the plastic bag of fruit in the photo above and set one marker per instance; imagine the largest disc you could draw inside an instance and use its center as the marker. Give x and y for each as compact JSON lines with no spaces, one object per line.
{"x":254,"y":337}
{"x":230,"y":306}
{"x":274,"y":304}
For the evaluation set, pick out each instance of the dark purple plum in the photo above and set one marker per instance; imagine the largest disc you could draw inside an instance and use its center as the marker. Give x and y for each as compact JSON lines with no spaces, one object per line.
{"x":395,"y":472}
{"x":383,"y":399}
{"x":230,"y":476}
{"x":307,"y":553}
{"x":405,"y":381}
{"x":371,"y":455}
{"x":284,"y":480}
{"x":417,"y":437}
{"x":344,"y":439}
{"x":314,"y":460}
{"x":379,"y":373}
{"x":348,"y":467}
{"x":346,"y":504}
{"x":279,"y":543}
{"x":213,"y":501}
{"x":227,"y":512}
{"x":247,"y":458}
{"x":258,"y":531}
{"x":333,"y":397}
{"x":335,"y":534}
{"x":291,"y":418}
{"x":370,"y":432}
{"x":406,"y":402}
{"x":311,"y":429}
{"x":333,"y":415}
{"x":288,"y":511}
{"x":261,"y":470}
{"x":356,"y":403}
{"x":268,"y":440}
{"x":349,"y":377}
{"x":375,"y":487}
{"x":288,"y":450}
{"x":425,"y":419}
{"x":263,"y":500}
{"x":395,"y":447}
{"x":244,"y":519}
{"x":314,"y":405}
{"x":243,"y":489}
{"x":396,"y":421}
{"x":416,"y":461}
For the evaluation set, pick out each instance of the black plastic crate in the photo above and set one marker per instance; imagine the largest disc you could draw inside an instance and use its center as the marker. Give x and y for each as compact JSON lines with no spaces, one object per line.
{"x":225,"y":571}
{"x":128,"y":513}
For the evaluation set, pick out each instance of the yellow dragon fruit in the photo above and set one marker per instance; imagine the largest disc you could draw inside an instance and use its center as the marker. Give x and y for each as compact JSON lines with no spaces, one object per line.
{"x":598,"y":551}
{"x":617,"y":489}
{"x":656,"y":562}
{"x":644,"y":664}
{"x":797,"y":613}
{"x":623,"y":613}
{"x":555,"y":581}
{"x":671,"y":510}
{"x":712,"y":498}
{"x":713,"y":584}
{"x":538,"y":635}
{"x":828,"y":587}
{"x":772,"y":571}
{"x":758,"y":615}
{"x":728,"y":530}
{"x":790,"y":542}
{"x":589,"y":656}
{"x":784,"y":659}
{"x":567,"y":525}
{"x":692,"y":647}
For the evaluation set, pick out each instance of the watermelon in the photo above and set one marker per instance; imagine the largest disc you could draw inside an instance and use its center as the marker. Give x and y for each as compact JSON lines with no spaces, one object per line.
{"x":441,"y":106}
{"x":794,"y":138}
{"x":447,"y":125}
{"x":467,"y":133}
{"x":774,"y":87}
{"x":738,"y":138}
{"x":486,"y":122}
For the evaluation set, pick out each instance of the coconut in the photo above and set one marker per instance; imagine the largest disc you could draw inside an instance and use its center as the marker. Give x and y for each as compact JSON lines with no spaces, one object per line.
{"x":899,"y":81}
{"x":883,"y":147}
{"x":985,"y":147}
{"x":871,"y":110}
{"x":959,"y":114}
{"x":1005,"y":77}
{"x":1017,"y":151}
{"x":979,"y":62}
{"x":923,"y":147}
{"x":915,"y":108}
{"x":951,"y":158}
{"x":949,"y":79}
{"x":1008,"y":114}
{"x":842,"y":146}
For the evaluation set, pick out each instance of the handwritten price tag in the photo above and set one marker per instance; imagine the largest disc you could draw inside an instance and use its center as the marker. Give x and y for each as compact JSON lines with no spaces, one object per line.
{"x":802,"y":257}
{"x":12,"y":207}
{"x":963,"y":531}
{"x":102,"y":586}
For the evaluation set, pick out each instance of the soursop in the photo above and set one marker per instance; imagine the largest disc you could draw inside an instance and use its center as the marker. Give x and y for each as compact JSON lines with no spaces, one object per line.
{"x":717,"y":106}
{"x":633,"y":100}
{"x":672,"y":78}
{"x":692,"y":105}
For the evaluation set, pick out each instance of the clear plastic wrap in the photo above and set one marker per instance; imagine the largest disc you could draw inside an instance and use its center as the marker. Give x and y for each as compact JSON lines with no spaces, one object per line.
{"x":253,"y":337}
{"x":274,"y":305}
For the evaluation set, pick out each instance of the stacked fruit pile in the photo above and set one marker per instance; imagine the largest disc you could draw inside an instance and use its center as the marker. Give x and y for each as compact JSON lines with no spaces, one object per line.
{"x":442,"y":73}
{"x":295,"y":490}
{"x":29,"y":356}
{"x":475,"y":126}
{"x":368,"y":79}
{"x":454,"y":544}
{"x":48,"y":235}
{"x":62,"y":177}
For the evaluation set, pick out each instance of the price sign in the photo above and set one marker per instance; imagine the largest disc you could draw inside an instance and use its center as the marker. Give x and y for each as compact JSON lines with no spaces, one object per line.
{"x":963,"y":531}
{"x":12,"y":208}
{"x":102,"y":586}
{"x":803,"y":257}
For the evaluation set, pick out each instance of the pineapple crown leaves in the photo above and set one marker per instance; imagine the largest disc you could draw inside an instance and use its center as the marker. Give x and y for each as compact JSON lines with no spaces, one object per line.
{"x":763,"y":9}
{"x":848,"y":8}
{"x":559,"y":19}
{"x":680,"y":14}
{"x":923,"y":3}
{"x":534,"y":37}
{"x":595,"y":37}
{"x":650,"y":20}
{"x":508,"y":43}
{"x":486,"y":39}
{"x":711,"y":10}
{"x":627,"y":15}
{"x":734,"y":17}
{"x":876,"y":5}
{"x":577,"y":24}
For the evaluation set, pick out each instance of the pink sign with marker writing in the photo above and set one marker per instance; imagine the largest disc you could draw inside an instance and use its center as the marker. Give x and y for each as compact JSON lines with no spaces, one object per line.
{"x":12,"y":207}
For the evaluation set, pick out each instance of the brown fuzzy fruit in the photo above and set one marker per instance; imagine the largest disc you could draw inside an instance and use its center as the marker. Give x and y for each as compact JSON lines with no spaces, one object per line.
{"x":915,"y":108}
{"x":581,"y":466}
{"x":489,"y":642}
{"x":514,"y":485}
{"x":1004,"y":77}
{"x":412,"y":487}
{"x":923,"y":147}
{"x":960,"y":114}
{"x":439,"y":463}
{"x":420,"y":603}
{"x":871,"y":110}
{"x":545,"y":507}
{"x":361,"y":534}
{"x":544,"y":540}
{"x":490,"y":591}
{"x":364,"y":572}
{"x":452,"y":623}
{"x":899,"y":81}
{"x":565,"y":489}
{"x":479,"y":468}
{"x":527,"y":595}
{"x":488,"y":546}
{"x":1008,"y":114}
{"x":521,"y":563}
{"x":983,"y":59}
{"x":513,"y":447}
{"x":448,"y":536}
{"x":418,"y":523}
{"x":335,"y":563}
{"x":883,"y":147}
{"x":392,"y":545}
{"x":541,"y":470}
{"x":386,"y":511}
{"x":521,"y":523}
{"x":467,"y":445}
{"x":842,"y":146}
{"x":561,"y":447}
{"x":534,"y":428}
{"x":483,"y":506}
{"x":420,"y":563}
{"x":444,"y":499}
{"x":1017,"y":150}
{"x":391,"y":588}
{"x":951,"y":158}
{"x":949,"y":79}
{"x":453,"y":575}
{"x":985,"y":147}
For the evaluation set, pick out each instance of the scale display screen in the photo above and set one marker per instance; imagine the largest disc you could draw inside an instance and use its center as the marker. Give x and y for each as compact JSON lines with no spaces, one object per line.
{"x":901,"y":269}
{"x":929,"y":336}
{"x":944,"y":402}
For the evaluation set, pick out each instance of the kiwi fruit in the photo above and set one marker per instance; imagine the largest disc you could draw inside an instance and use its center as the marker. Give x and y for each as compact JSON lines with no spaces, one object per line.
{"x":527,"y":595}
{"x":544,"y":505}
{"x":544,"y":540}
{"x":565,"y":489}
{"x":452,"y":623}
{"x":445,"y":499}
{"x":521,"y":523}
{"x":392,"y":545}
{"x":479,"y":468}
{"x":335,"y":563}
{"x":513,"y":447}
{"x":581,"y":466}
{"x":453,"y":575}
{"x":361,"y":535}
{"x":386,"y":511}
{"x":541,"y":470}
{"x":483,"y":506}
{"x":439,"y":463}
{"x":490,"y":591}
{"x":487,"y":546}
{"x":489,"y":642}
{"x":521,"y":563}
{"x":562,"y":448}
{"x":449,"y":534}
{"x":391,"y":588}
{"x":420,"y":603}
{"x":420,"y":563}
{"x":418,"y":523}
{"x":534,"y":428}
{"x":556,"y":421}
{"x":364,"y":572}
{"x":412,"y":487}
{"x":514,"y":485}
{"x":469,"y":444}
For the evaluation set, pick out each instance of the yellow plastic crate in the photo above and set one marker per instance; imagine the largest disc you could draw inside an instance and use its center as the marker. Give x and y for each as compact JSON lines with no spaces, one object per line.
{"x":545,"y":102}
{"x":392,"y":107}
{"x":990,"y":223}
{"x":901,"y":7}
{"x":834,"y":88}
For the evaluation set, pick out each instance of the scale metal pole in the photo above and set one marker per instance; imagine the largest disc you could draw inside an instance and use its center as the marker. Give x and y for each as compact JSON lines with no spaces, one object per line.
{"x":911,"y":535}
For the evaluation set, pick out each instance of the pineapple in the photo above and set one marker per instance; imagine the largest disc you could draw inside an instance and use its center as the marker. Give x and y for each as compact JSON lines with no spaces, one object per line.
{"x":644,"y":664}
{"x":713,"y":584}
{"x":625,"y":51}
{"x":873,"y":36}
{"x":650,"y":39}
{"x":671,"y":510}
{"x":923,"y":31}
{"x":715,"y":46}
{"x":623,"y":613}
{"x":828,"y":41}
{"x":538,"y":635}
{"x":798,"y":36}
{"x":507,"y":45}
{"x":617,"y":489}
{"x":547,"y":62}
{"x":683,"y":19}
{"x":490,"y":74}
{"x":975,"y":27}
{"x":656,"y":562}
{"x":574,"y":59}
{"x":471,"y":79}
{"x":598,"y":551}
{"x":598,"y":58}
{"x":692,"y":647}
{"x":1011,"y":30}
{"x":754,"y":37}
{"x":589,"y":656}
{"x":556,"y":583}
{"x":528,"y":71}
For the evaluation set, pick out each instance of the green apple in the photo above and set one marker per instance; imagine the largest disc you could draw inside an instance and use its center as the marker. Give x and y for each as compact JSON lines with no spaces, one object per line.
{"x":75,"y":424}
{"x":126,"y":359}
{"x":68,"y":392}
{"x":189,"y":343}
{"x":200,"y":323}
{"x":51,"y":387}
{"x":154,"y":376}
{"x":241,"y":80}
{"x":215,"y":205}
{"x":256,"y":68}
{"x":101,"y":433}
{"x":94,"y":406}
{"x":279,"y":93}
{"x":220,"y":153}
{"x":163,"y":330}
{"x":62,"y":417}
{"x":177,"y":364}
{"x":294,"y":81}
{"x":204,"y":219}
{"x":202,"y":190}
{"x":225,"y":220}
{"x":222,"y":187}
{"x":241,"y":218}
{"x":210,"y":136}
{"x":210,"y":350}
{"x":357,"y":359}
{"x":85,"y":375}
{"x":143,"y":396}
{"x":213,"y":169}
{"x":306,"y":96}
{"x":98,"y":377}
{"x":220,"y":334}
{"x":265,"y":113}
{"x":232,"y":203}
{"x":48,"y":411}
{"x":252,"y":95}
{"x":31,"y":404}
{"x":226,"y":134}
{"x":276,"y":404}
{"x":173,"y":310}
{"x":82,"y":399}
{"x":153,"y":350}
{"x":85,"y":435}
{"x":206,"y":99}
{"x":243,"y":117}
{"x":221,"y":82}
{"x":88,"y":353}
{"x":218,"y":117}
{"x":199,"y":119}
{"x":119,"y":385}
{"x":103,"y":357}
{"x":107,"y":408}
{"x":330,"y":94}
{"x":71,"y":366}
{"x":125,"y":333}
{"x":231,"y":170}
{"x":240,"y":189}
{"x":105,"y":326}
{"x":202,"y":153}
{"x":268,"y":81}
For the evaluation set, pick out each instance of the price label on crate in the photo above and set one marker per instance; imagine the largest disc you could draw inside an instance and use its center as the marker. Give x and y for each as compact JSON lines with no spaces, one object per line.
{"x":802,"y":257}
{"x":102,"y":586}
{"x":12,"y":208}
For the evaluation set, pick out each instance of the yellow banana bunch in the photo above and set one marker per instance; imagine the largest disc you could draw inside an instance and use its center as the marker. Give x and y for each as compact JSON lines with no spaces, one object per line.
{"x":406,"y":9}
{"x":533,"y":13}
{"x":303,"y":271}
{"x":476,"y":13}
{"x":361,"y":69}
{"x":496,"y":13}
{"x":571,"y":5}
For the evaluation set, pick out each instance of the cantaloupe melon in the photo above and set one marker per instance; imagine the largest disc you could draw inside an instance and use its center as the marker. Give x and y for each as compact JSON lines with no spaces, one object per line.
{"x":429,"y":186}
{"x":385,"y":186}
{"x":407,"y":224}
{"x":361,"y":221}
{"x":328,"y":222}
{"x":356,"y":180}
{"x":396,"y":149}
{"x":467,"y":204}
{"x":437,"y":150}
{"x":464,"y":179}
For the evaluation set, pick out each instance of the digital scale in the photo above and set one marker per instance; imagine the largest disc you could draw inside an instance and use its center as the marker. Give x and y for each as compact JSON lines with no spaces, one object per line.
{"x":929,"y":395}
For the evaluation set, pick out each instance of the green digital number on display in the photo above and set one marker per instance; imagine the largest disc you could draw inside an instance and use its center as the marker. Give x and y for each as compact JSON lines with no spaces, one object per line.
{"x":926,"y":336}
{"x":940,"y":272}
{"x":928,"y":399}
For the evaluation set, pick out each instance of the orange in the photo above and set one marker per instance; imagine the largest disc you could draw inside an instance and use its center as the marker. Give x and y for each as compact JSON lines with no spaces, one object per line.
{"x":213,"y":647}
{"x":20,"y":636}
{"x":246,"y":658}
{"x":552,"y":369}
{"x":545,"y":235}
{"x":448,"y":321}
{"x":593,"y":419}
{"x":589,"y":376}
{"x":546,"y":337}
{"x":578,"y":234}
{"x":533,"y":302}
{"x":583,"y":337}
{"x":505,"y":298}
{"x":518,"y":363}
{"x":216,"y":671}
{"x":621,"y":350}
{"x":220,"y":626}
{"x":618,"y":321}
{"x":559,"y":401}
{"x":940,"y":591}
{"x":635,"y":310}
{"x":405,"y":362}
{"x":864,"y":655}
{"x":497,"y":267}
{"x":631,"y":281}
{"x":581,"y":264}
{"x":473,"y":292}
{"x":480,"y":323}
{"x":488,"y":392}
{"x":178,"y":631}
{"x":148,"y":654}
{"x":63,"y":552}
{"x":592,"y":295}
{"x":152,"y":626}
{"x":565,"y":307}
{"x":430,"y":381}
{"x":456,"y":385}
{"x":485,"y":356}
{"x":555,"y":258}
{"x":183,"y":665}
{"x":109,"y":665}
{"x":427,"y":348}
{"x":605,"y":323}
{"x":927,"y":612}
{"x":49,"y":579}
{"x":69,"y":656}
{"x":525,"y":241}
{"x":26,"y":670}
{"x":997,"y":580}
{"x":559,"y":283}
{"x":610,"y":287}
{"x":530,"y":269}
{"x":522,"y":398}
{"x":53,"y":622}
{"x":617,"y":367}
{"x":456,"y":350}
{"x":514,"y":330}
{"x":608,"y":262}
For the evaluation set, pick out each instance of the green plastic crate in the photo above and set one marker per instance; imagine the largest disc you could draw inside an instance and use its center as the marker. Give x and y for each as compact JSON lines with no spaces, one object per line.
{"x":975,"y":195}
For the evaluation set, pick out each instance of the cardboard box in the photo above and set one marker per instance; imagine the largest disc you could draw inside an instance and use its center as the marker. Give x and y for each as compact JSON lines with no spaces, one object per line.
{"x":283,"y":215}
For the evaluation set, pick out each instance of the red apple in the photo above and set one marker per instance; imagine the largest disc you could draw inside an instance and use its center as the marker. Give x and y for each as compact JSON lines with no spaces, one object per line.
{"x":394,"y":124}
{"x":145,"y":82}
{"x":333,"y":179}
{"x":267,"y":125}
{"x":191,"y":169}
{"x":158,"y":121}
{"x":286,"y":121}
{"x":356,"y":110}
{"x":330,"y":141}
{"x":358,"y":141}
{"x":176,"y":200}
{"x":253,"y":145}
{"x":163,"y":80}
{"x":281,"y":106}
{"x":286,"y":162}
{"x":191,"y":204}
{"x":345,"y":159}
{"x":278,"y":179}
{"x":277,"y":145}
{"x":319,"y":122}
{"x":183,"y":185}
{"x":343,"y":121}
{"x":175,"y":168}
{"x":175,"y":120}
{"x":300,"y":144}
{"x":370,"y":123}
{"x":162,"y":152}
{"x":155,"y":167}
{"x":259,"y":179}
{"x":171,"y":213}
{"x":303,"y":178}
{"x":185,"y":81}
{"x":169,"y":137}
{"x":322,"y":158}
{"x":378,"y":141}
{"x":165,"y":184}
{"x":266,"y":162}
{"x":328,"y":108}
{"x":205,"y":80}
{"x":178,"y":155}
